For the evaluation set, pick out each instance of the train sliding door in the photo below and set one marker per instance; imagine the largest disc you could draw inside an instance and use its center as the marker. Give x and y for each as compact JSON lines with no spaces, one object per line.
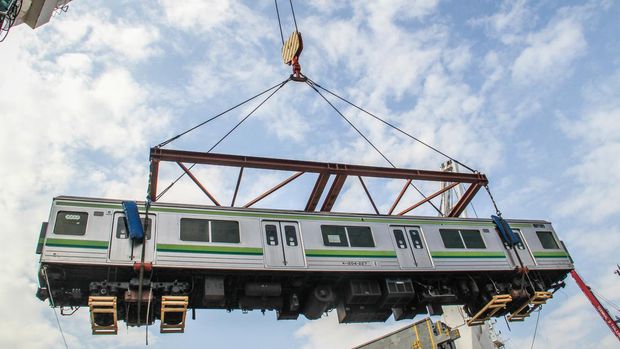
{"x":522,"y":250}
{"x":282,"y":244}
{"x":121,"y":247}
{"x":410,"y":247}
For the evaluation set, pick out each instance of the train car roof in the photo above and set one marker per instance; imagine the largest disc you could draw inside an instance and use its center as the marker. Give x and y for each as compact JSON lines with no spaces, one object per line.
{"x":290,"y":212}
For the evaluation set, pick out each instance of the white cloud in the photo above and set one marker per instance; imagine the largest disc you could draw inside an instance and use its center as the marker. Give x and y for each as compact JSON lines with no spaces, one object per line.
{"x":550,"y":52}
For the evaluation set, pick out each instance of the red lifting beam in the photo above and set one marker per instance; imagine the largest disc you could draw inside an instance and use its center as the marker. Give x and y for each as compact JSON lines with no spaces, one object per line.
{"x":324,"y":170}
{"x":613,"y":326}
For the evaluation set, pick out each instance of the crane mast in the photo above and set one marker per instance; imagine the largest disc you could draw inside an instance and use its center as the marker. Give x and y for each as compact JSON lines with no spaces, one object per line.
{"x":613,"y":326}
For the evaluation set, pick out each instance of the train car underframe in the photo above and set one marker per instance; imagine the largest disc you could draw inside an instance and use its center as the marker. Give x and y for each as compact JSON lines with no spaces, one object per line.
{"x":357,"y":296}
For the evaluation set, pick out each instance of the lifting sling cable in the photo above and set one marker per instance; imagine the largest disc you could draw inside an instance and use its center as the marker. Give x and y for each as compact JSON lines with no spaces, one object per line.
{"x":391,"y":125}
{"x":279,"y":22}
{"x":166,"y":142}
{"x":53,"y":304}
{"x":277,"y":88}
{"x":369,"y":142}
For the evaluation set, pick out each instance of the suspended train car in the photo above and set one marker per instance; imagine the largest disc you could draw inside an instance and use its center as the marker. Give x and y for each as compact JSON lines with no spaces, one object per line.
{"x":368,"y":267}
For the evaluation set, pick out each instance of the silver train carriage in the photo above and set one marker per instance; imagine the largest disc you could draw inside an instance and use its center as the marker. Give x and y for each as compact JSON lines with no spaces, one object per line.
{"x":368,"y":267}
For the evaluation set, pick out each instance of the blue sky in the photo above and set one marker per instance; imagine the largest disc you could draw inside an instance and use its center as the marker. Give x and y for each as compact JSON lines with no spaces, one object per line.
{"x":526,"y":92}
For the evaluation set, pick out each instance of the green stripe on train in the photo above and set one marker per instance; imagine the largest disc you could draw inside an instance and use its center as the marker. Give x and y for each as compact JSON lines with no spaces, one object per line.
{"x":279,"y":217}
{"x":76,"y":243}
{"x":445,"y":254}
{"x":559,"y":254}
{"x":209,"y":249}
{"x":350,"y":253}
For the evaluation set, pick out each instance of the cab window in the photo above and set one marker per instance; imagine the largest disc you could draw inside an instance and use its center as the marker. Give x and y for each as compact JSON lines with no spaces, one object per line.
{"x":70,"y":223}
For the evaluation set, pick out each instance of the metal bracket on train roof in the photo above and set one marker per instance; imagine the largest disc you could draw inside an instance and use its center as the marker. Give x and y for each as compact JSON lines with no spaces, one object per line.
{"x":103,"y":308}
{"x":535,"y":302}
{"x":176,"y":308}
{"x":496,"y":304}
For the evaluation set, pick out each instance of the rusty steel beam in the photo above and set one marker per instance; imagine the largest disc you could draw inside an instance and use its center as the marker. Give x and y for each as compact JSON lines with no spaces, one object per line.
{"x":428,"y":198}
{"x":270,"y":191}
{"x":153,"y":177}
{"x":197,"y":182}
{"x":465,"y":200}
{"x":333,"y":192}
{"x":232,"y":204}
{"x":314,"y":167}
{"x":317,"y":191}
{"x":400,"y":196}
{"x":372,"y":202}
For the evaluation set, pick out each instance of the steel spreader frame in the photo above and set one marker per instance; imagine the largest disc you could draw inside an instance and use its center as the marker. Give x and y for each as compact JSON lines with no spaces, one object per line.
{"x":324,"y":170}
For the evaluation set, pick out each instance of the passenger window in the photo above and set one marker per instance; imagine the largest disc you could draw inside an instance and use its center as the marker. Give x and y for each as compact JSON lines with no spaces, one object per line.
{"x":334,"y":235}
{"x":547,"y":240}
{"x":400,"y":239}
{"x":360,"y":237}
{"x":290,"y":235}
{"x":472,"y":239}
{"x":225,"y":231}
{"x":71,"y":223}
{"x":122,"y":232}
{"x":451,"y":238}
{"x":271,"y":233}
{"x":416,"y":238}
{"x":194,"y":230}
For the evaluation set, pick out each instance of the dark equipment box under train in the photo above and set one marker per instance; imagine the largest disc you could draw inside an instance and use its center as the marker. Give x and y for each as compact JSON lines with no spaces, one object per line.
{"x":368,"y":267}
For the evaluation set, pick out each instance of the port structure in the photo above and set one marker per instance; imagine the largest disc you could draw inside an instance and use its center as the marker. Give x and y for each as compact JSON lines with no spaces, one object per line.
{"x":323,"y":170}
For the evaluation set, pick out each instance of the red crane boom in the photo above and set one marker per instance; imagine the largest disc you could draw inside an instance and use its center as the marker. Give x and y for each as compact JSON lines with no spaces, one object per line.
{"x":597,"y":305}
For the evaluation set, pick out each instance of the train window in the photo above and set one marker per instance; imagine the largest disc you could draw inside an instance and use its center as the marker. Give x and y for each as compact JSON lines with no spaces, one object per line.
{"x":472,"y":239}
{"x":451,"y":238}
{"x":416,"y":238}
{"x":334,"y":235}
{"x":290,"y":235}
{"x":122,"y":232}
{"x":360,"y":237}
{"x":225,"y":231}
{"x":547,"y":240}
{"x":71,"y":223}
{"x":400,"y":239}
{"x":271,"y":233}
{"x":194,"y":229}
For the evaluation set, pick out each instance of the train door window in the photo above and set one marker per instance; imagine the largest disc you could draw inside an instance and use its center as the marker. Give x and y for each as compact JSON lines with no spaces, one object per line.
{"x":225,"y":231}
{"x":71,"y":223}
{"x":400,"y":239}
{"x":360,"y":237}
{"x":519,"y":244}
{"x":416,"y":238}
{"x":122,"y":232}
{"x":472,"y":239}
{"x":451,"y":238}
{"x":547,"y":240}
{"x":271,"y":233}
{"x":194,"y":230}
{"x":290,"y":234}
{"x":334,"y":235}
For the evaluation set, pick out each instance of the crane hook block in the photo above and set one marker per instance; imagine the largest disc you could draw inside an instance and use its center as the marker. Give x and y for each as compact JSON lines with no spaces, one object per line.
{"x":505,"y":232}
{"x":134,"y":223}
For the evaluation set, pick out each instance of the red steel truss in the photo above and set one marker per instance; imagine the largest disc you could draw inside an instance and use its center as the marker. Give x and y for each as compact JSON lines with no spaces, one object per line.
{"x":324,"y":170}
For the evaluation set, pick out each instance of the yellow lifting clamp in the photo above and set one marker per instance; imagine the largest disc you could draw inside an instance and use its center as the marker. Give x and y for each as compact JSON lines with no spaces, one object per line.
{"x":496,"y":304}
{"x":175,"y":308}
{"x":103,"y":317}
{"x":538,"y":299}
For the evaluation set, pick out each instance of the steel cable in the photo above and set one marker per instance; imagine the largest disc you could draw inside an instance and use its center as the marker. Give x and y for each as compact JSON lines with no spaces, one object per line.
{"x":311,"y":84}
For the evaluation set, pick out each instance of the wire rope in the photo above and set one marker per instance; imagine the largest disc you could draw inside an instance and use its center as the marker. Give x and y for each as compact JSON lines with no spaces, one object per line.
{"x":53,"y":304}
{"x":535,"y":329}
{"x":391,"y":125}
{"x":293,"y":12}
{"x":279,"y":86}
{"x":368,"y":140}
{"x":279,"y":22}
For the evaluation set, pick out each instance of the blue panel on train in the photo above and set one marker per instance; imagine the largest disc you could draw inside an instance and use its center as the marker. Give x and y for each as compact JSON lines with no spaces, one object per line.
{"x":505,"y":232}
{"x":134,"y":223}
